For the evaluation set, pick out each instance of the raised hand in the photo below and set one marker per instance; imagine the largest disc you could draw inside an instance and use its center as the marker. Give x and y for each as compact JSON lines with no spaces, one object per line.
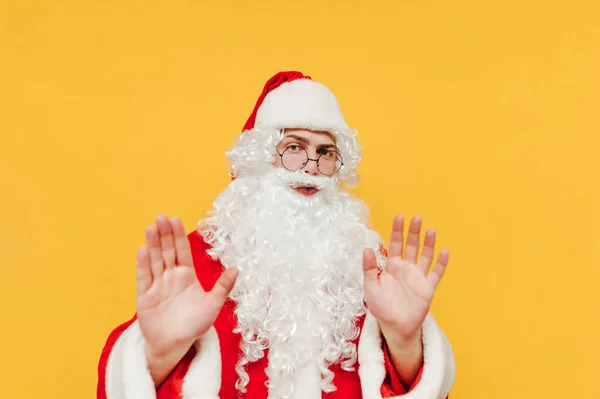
{"x":399,"y":296}
{"x":172,"y":308}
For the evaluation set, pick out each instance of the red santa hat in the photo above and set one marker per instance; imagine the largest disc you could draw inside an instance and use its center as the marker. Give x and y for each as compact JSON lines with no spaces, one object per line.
{"x":293,"y":100}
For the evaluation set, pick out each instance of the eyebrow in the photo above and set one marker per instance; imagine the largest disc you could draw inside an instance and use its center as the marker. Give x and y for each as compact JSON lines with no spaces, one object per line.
{"x":305,"y":140}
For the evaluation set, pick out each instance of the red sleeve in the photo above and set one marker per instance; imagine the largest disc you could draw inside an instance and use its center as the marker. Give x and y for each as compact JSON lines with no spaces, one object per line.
{"x":392,"y":386}
{"x":110,"y":343}
{"x":172,"y":386}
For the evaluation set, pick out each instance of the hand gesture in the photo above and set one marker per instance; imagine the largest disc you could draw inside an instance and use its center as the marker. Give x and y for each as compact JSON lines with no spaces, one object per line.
{"x":172,"y":308}
{"x":399,"y":296}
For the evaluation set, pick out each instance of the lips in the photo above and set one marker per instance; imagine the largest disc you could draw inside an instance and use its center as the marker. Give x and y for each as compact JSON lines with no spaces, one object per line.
{"x":306,"y":190}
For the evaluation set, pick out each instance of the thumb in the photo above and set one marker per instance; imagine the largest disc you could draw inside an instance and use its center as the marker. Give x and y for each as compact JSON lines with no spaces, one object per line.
{"x":223,"y":286}
{"x":370,"y":269}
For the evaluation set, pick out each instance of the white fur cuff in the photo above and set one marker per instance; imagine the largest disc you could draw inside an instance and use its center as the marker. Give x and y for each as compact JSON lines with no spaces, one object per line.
{"x":438,"y":368}
{"x":127,"y":375}
{"x":203,"y":379}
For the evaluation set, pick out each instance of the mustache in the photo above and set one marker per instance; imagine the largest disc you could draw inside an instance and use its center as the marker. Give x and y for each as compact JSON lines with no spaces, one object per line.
{"x":299,"y":179}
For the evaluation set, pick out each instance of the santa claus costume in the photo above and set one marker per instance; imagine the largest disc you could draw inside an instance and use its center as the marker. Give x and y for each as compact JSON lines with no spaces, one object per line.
{"x":295,"y":324}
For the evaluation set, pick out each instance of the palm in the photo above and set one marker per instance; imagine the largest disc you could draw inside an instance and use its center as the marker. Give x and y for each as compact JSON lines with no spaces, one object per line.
{"x":400,"y":295}
{"x":172,"y":307}
{"x":175,"y":300}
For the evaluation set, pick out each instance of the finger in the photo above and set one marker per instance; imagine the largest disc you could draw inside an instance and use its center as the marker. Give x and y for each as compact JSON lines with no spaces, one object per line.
{"x":154,"y":250}
{"x":440,"y":267}
{"x":182,"y":244}
{"x":143,"y":274}
{"x":397,"y":237}
{"x":427,"y":254}
{"x":412,"y":240}
{"x":370,"y":269}
{"x":223,"y":286}
{"x":167,"y":243}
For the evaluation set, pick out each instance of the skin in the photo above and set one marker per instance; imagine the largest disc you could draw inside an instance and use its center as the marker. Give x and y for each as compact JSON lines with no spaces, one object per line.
{"x":172,"y":308}
{"x":312,"y":142}
{"x":174,"y":311}
{"x":406,"y":283}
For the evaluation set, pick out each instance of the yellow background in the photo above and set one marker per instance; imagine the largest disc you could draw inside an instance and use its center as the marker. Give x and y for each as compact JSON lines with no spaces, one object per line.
{"x":480,"y":116}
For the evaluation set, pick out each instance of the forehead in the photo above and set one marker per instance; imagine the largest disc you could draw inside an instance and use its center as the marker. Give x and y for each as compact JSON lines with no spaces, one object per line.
{"x":311,"y":136}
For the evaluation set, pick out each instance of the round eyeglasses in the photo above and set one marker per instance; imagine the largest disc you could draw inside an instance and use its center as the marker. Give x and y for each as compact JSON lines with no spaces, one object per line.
{"x":294,"y":158}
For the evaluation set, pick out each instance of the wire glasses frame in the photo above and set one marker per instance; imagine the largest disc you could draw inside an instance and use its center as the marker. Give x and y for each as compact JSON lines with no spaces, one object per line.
{"x":338,"y":161}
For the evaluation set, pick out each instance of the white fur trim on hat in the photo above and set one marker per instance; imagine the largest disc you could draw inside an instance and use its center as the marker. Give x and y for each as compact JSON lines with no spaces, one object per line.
{"x":438,"y":368}
{"x":302,"y":104}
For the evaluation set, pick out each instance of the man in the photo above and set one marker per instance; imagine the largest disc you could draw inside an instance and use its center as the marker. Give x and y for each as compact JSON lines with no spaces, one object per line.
{"x":283,"y":291}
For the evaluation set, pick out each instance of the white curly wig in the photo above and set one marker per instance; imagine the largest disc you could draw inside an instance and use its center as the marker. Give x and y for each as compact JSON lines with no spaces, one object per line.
{"x":256,"y":148}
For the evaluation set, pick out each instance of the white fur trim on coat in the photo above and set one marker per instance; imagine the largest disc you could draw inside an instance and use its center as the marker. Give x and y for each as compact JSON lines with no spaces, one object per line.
{"x":438,"y":368}
{"x":302,"y":103}
{"x":128,"y":377}
{"x":203,"y":379}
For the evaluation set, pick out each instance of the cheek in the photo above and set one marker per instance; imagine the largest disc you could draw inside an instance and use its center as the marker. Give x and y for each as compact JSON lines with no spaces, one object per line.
{"x":277,"y":162}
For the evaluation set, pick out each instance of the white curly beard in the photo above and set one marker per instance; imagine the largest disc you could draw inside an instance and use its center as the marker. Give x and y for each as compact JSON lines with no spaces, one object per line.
{"x":300,"y":289}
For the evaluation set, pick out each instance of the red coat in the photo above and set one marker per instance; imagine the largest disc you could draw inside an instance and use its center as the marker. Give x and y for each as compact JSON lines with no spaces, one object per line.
{"x":208,"y":369}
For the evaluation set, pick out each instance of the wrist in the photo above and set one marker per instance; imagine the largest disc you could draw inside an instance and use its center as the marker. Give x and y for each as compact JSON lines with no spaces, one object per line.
{"x":162,"y":362}
{"x":402,"y":342}
{"x":406,"y":353}
{"x":161,"y":355}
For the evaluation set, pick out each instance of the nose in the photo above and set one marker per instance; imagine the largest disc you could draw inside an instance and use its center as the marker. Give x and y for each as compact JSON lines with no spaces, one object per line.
{"x":311,"y":167}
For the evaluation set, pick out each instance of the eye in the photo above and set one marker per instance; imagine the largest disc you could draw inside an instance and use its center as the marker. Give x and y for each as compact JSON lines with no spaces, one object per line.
{"x":294,"y":148}
{"x":326,"y":153}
